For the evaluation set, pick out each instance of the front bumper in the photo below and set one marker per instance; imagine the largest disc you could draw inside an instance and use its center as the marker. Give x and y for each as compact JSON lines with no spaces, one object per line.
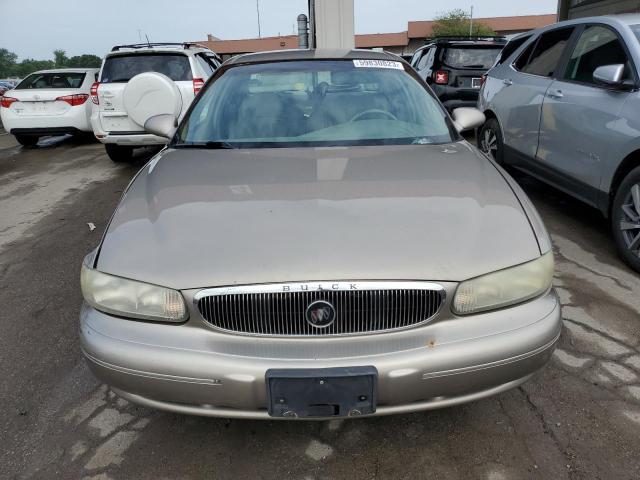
{"x":192,"y":369}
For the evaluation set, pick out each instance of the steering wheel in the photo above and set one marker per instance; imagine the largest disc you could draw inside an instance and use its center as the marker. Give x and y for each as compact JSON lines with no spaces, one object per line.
{"x":384,"y":113}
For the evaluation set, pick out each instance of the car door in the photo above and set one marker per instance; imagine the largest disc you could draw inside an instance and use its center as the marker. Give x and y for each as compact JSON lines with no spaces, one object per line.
{"x":579,"y":125}
{"x":519,"y":103}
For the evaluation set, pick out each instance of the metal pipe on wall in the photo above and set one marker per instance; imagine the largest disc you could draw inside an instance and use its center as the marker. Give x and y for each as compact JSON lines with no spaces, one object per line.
{"x":303,"y":32}
{"x":312,"y":24}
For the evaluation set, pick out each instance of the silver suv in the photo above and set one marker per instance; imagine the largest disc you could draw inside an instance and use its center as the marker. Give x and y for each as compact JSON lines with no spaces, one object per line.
{"x":563,"y":104}
{"x":114,"y":120}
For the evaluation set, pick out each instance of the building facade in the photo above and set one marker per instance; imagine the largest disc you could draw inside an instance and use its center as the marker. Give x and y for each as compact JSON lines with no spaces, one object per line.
{"x":568,"y":9}
{"x":400,"y":42}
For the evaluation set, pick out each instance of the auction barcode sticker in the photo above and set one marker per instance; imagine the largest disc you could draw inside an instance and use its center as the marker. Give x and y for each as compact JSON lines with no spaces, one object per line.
{"x":378,"y":64}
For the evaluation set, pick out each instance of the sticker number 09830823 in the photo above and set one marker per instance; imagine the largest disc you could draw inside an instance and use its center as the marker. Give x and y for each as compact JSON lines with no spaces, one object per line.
{"x":378,"y":64}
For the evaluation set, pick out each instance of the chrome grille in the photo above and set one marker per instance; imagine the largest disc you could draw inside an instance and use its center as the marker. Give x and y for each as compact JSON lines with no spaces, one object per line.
{"x":280,"y":309}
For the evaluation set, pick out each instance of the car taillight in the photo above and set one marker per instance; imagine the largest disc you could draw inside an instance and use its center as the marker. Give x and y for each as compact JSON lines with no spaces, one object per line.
{"x":7,"y":101}
{"x":74,"y":100}
{"x":94,"y":92}
{"x":483,"y":79}
{"x":198,"y":83}
{"x":441,"y":77}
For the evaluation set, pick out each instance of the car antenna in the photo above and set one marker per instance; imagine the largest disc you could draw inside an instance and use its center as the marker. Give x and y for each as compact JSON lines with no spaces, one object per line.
{"x":147,"y":37}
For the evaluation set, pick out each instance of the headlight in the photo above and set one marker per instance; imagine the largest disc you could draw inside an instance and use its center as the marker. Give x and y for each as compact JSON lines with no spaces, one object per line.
{"x":129,"y":298}
{"x":506,"y":287}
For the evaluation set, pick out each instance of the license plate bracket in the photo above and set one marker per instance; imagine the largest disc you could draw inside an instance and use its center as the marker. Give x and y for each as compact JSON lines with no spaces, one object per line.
{"x":322,"y":392}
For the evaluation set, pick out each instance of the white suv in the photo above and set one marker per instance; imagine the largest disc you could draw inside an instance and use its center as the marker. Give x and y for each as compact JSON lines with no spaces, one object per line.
{"x":114,"y":119}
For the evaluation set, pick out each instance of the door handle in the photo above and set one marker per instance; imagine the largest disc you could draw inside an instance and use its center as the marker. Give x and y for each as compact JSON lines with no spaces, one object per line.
{"x":556,"y":94}
{"x":508,"y":82}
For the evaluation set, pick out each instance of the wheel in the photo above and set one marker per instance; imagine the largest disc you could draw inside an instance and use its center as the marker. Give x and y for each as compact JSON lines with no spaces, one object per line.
{"x":625,"y":219}
{"x":118,"y":153}
{"x":490,"y":140}
{"x":27,"y":140}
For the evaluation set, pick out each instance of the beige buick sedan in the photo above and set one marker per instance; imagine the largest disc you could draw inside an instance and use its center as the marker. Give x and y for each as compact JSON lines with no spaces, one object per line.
{"x":318,"y":241}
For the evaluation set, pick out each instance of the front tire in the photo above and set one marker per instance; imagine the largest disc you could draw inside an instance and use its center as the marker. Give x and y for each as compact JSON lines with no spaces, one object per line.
{"x":625,"y":219}
{"x":490,"y":140}
{"x":118,"y":153}
{"x":27,"y":140}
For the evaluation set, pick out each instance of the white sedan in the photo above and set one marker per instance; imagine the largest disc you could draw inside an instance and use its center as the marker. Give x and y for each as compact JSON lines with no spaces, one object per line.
{"x":48,"y":102}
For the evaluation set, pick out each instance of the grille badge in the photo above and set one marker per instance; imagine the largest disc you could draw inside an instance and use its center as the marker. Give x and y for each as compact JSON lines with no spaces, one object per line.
{"x":320,"y":314}
{"x":280,"y":309}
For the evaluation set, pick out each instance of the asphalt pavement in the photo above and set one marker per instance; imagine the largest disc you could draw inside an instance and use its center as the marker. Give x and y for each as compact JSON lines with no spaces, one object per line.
{"x":578,"y":418}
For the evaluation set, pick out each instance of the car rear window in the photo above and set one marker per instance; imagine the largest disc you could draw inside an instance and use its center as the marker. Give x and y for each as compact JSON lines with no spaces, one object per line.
{"x":470,"y":57}
{"x":52,"y":80}
{"x":122,"y":68}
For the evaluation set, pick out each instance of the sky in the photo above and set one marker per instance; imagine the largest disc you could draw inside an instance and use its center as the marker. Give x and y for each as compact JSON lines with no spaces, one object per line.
{"x":34,"y":28}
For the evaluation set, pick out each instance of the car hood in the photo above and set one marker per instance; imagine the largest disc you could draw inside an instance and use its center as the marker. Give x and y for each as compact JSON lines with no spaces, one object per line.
{"x":199,"y":218}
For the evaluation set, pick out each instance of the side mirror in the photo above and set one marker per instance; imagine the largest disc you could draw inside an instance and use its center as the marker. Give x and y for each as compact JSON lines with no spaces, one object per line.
{"x":162,"y":125}
{"x":467,"y":118}
{"x":609,"y":75}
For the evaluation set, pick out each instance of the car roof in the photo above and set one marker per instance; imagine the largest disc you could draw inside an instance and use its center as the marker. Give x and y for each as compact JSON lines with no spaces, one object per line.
{"x":467,"y":39}
{"x":316,"y":54}
{"x":626,"y":18}
{"x":142,"y":48}
{"x":497,"y":41}
{"x":621,"y":19}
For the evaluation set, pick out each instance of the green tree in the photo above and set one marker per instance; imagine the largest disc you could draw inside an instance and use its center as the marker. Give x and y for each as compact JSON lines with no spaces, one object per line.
{"x":84,"y":61}
{"x":7,"y":63}
{"x":457,"y":23}
{"x":10,"y":67}
{"x":60,"y":58}
{"x":29,"y":65}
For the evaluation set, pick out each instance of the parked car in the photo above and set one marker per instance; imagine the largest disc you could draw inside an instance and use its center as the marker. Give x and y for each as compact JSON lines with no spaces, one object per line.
{"x":48,"y":102}
{"x":4,"y":86}
{"x":10,"y":83}
{"x":318,"y":240}
{"x":564,"y":107}
{"x":454,"y":67}
{"x":188,"y":65}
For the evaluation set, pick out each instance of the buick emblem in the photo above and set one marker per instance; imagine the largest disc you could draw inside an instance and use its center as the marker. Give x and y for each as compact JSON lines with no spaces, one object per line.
{"x":320,"y":314}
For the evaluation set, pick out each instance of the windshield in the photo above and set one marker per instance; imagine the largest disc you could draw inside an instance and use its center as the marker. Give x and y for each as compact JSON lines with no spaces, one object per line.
{"x":307,"y":103}
{"x":122,"y":68}
{"x":471,"y":57}
{"x":52,"y":80}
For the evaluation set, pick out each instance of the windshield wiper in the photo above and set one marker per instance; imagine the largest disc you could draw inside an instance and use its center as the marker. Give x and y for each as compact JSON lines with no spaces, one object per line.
{"x":208,"y":145}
